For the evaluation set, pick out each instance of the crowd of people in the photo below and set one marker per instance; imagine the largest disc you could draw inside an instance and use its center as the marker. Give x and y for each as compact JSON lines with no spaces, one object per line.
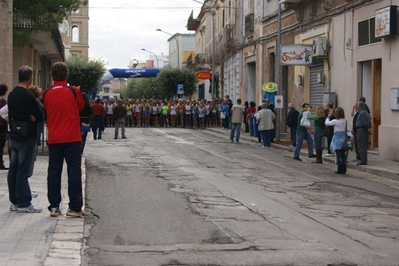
{"x":70,"y":115}
{"x":22,"y":117}
{"x":331,"y":126}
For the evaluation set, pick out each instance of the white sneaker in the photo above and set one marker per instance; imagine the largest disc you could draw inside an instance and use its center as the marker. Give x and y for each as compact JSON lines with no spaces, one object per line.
{"x":328,"y":155}
{"x":34,"y":194}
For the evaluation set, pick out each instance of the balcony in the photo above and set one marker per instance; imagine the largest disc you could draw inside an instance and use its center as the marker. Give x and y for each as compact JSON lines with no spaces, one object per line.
{"x":228,"y":34}
{"x":199,"y":59}
{"x":47,"y":43}
{"x":299,"y":6}
{"x":192,"y":23}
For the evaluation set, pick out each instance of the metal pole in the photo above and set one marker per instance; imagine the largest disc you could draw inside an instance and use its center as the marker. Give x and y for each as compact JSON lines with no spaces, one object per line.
{"x":213,"y":56}
{"x":154,"y":55}
{"x":278,"y":69}
{"x":177,"y":47}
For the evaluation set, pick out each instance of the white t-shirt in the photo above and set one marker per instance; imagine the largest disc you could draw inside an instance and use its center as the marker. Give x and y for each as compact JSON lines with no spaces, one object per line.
{"x":339,"y":124}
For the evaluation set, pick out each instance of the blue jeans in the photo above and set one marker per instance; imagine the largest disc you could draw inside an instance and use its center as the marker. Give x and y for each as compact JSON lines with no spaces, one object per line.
{"x":266,"y":137}
{"x":23,"y":155}
{"x":225,"y":122}
{"x":318,"y":140}
{"x":304,"y":136}
{"x":71,"y":153}
{"x":235,"y":127}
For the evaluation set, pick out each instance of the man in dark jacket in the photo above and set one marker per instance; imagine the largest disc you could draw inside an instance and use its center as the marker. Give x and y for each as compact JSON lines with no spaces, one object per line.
{"x":119,"y":118}
{"x":363,"y":128}
{"x":292,"y":123}
{"x":22,"y":106}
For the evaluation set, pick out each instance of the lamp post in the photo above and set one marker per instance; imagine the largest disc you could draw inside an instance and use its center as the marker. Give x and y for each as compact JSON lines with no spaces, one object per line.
{"x":153,"y":54}
{"x":278,"y":66}
{"x":177,"y":46}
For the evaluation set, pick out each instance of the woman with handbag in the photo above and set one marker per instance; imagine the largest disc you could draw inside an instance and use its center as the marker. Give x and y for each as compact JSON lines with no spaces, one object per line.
{"x":338,"y":143}
{"x":3,"y":126}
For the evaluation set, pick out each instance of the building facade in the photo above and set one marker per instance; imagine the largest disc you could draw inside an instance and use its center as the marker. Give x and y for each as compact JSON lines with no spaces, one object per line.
{"x":353,"y":47}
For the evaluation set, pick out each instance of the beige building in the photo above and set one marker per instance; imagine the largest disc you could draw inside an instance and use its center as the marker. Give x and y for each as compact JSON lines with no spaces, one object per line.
{"x":352,"y":48}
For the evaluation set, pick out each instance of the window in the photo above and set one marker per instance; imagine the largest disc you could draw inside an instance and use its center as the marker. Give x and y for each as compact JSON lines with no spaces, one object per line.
{"x":366,"y":32}
{"x":75,"y":33}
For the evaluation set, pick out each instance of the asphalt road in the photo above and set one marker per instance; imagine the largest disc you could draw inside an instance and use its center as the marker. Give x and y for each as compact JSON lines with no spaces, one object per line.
{"x":189,"y":197}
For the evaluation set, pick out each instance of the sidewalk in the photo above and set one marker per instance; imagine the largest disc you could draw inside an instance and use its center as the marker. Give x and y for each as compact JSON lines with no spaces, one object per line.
{"x":375,"y":164}
{"x":35,"y":238}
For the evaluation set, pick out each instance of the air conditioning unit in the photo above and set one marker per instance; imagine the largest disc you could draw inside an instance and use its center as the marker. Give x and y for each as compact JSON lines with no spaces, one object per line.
{"x":320,"y":47}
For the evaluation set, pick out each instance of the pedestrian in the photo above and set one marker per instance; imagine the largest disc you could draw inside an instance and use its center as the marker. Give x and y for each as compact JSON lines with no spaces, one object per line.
{"x":274,"y":110}
{"x":303,"y":134}
{"x":98,"y":112}
{"x":338,"y":143}
{"x":265,"y":118}
{"x":329,"y":130}
{"x":62,"y":104}
{"x":319,"y":123}
{"x":355,"y":113}
{"x":292,"y":123}
{"x":85,"y":115}
{"x":36,"y":91}
{"x":119,"y":118}
{"x":3,"y":126}
{"x":225,"y":114}
{"x":237,"y":112}
{"x":363,"y":129}
{"x":24,"y":112}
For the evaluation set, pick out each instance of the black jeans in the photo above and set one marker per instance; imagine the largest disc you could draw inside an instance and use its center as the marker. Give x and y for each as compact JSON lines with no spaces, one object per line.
{"x":341,"y":159}
{"x":71,"y":153}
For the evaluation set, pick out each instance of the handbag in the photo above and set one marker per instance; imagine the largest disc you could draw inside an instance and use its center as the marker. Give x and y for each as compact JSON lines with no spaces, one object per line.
{"x":19,"y":130}
{"x":305,"y":122}
{"x":222,"y":115}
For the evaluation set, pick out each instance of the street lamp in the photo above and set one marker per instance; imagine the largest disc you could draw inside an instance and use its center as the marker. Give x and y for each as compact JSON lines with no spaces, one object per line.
{"x":153,"y":54}
{"x":177,"y":45}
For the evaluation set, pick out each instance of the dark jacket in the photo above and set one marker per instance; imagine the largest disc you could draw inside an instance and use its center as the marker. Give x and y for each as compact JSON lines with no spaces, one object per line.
{"x":292,"y":118}
{"x":21,"y":105}
{"x":119,"y":111}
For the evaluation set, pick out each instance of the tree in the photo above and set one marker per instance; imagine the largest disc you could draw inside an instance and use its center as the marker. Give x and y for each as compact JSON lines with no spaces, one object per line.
{"x":40,"y":15}
{"x":168,"y":79}
{"x":85,"y":72}
{"x":140,"y":88}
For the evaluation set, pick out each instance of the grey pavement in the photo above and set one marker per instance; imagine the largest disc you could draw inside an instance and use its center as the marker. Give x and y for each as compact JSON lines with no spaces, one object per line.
{"x":37,"y":239}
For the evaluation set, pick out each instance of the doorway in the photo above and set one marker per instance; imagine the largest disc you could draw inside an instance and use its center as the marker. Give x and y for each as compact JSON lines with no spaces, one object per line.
{"x":251,"y":82}
{"x":371,"y":90}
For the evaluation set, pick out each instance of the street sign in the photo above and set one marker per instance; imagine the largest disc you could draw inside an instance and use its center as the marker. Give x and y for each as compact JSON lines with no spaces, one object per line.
{"x":279,"y":101}
{"x":203,"y":75}
{"x":180,"y":89}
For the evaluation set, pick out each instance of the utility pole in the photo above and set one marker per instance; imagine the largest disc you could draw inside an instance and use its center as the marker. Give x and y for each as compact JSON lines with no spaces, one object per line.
{"x":6,"y":44}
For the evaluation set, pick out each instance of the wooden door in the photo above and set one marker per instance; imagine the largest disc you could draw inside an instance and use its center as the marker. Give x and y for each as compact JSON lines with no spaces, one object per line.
{"x":376,"y":101}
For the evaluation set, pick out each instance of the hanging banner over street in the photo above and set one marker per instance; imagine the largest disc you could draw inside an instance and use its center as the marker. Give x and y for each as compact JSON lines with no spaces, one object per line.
{"x":296,"y":54}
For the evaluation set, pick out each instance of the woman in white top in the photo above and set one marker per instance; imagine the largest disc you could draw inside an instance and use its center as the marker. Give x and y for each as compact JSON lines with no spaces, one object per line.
{"x":338,"y":143}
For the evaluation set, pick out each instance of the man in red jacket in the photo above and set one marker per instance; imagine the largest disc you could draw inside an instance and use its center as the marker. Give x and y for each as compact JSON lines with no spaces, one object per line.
{"x":62,"y":104}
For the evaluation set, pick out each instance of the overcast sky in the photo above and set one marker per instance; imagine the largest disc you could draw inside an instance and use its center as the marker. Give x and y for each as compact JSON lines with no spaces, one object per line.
{"x":118,"y":29}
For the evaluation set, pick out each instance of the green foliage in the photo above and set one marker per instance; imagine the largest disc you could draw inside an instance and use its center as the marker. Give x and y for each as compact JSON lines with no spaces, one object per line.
{"x":163,"y":86}
{"x":85,"y":72}
{"x":40,"y":15}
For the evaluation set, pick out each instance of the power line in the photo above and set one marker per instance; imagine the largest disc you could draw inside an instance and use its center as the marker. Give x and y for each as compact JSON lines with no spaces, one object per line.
{"x":139,"y":7}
